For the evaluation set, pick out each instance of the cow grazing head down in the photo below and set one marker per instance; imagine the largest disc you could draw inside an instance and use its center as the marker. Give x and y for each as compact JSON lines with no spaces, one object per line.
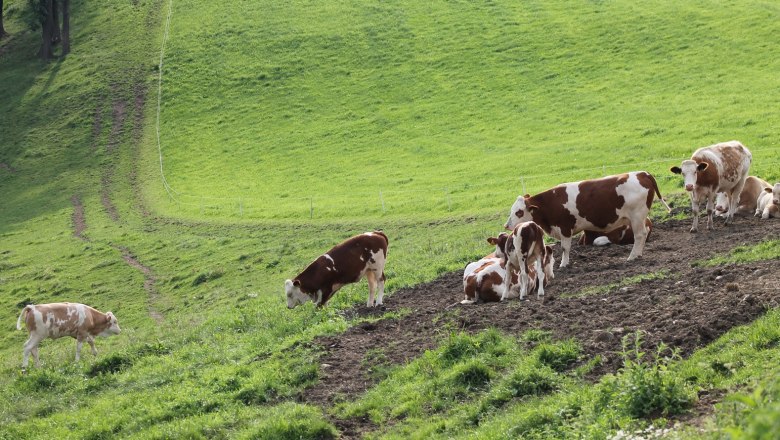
{"x":520,"y":212}
{"x":113,"y":326}
{"x":295,"y":296}
{"x":690,"y":171}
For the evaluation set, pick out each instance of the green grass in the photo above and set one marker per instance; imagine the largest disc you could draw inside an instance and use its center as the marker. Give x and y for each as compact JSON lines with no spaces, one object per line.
{"x":287,"y":127}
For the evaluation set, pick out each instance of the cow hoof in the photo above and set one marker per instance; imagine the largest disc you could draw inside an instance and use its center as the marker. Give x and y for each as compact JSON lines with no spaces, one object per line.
{"x":694,"y":230}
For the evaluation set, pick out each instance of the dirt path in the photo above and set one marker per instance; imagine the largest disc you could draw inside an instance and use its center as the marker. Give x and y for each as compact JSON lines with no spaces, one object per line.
{"x":687,"y":308}
{"x":149,"y":281}
{"x":79,"y":222}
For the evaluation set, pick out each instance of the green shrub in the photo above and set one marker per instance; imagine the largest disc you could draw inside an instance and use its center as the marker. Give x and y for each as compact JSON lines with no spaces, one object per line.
{"x":292,"y":421}
{"x":559,"y":355}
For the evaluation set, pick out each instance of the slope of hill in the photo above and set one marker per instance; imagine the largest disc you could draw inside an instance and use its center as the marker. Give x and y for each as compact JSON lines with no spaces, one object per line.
{"x":286,"y":127}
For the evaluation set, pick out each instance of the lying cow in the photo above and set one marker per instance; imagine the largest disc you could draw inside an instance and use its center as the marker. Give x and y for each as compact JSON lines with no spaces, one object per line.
{"x":711,"y":170}
{"x":768,"y":203}
{"x":596,"y":205}
{"x":483,"y":280}
{"x":56,"y":320}
{"x":754,"y":187}
{"x":621,"y":235}
{"x":522,"y":250}
{"x":348,"y":262}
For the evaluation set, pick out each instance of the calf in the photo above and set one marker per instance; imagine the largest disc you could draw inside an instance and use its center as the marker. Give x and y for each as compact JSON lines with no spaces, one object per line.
{"x":621,"y":235}
{"x":64,"y":319}
{"x":768,"y":203}
{"x":754,"y":187}
{"x":596,"y":205}
{"x":483,"y":280}
{"x":522,"y":249}
{"x":348,"y":262}
{"x":714,"y":169}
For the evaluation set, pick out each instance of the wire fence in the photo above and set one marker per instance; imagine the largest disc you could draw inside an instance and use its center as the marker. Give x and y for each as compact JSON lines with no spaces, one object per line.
{"x":456,"y":197}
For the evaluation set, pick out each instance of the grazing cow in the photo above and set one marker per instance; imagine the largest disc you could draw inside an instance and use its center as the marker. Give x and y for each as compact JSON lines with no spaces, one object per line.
{"x":621,"y":235}
{"x":483,"y":280}
{"x":64,"y":319}
{"x":710,"y":170}
{"x":596,"y":205}
{"x":348,"y":262}
{"x":522,"y":249}
{"x":768,"y":203}
{"x":754,"y":187}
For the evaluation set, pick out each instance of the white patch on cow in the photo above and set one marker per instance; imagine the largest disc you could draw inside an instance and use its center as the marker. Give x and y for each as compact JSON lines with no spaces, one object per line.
{"x":329,"y":258}
{"x":601,"y":241}
{"x":572,"y":191}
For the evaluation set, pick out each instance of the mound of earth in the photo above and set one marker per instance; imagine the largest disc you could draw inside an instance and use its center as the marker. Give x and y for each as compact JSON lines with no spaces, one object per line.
{"x":683,"y":305}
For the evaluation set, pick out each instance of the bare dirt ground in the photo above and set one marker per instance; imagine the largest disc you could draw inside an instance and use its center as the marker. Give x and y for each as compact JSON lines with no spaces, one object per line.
{"x":686,"y":308}
{"x":79,"y":222}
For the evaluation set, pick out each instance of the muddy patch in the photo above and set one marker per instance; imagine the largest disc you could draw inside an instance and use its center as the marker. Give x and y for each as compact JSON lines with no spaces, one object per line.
{"x":597,"y":300}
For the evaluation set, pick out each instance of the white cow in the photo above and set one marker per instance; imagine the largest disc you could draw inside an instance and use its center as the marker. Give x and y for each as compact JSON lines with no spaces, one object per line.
{"x":768,"y":203}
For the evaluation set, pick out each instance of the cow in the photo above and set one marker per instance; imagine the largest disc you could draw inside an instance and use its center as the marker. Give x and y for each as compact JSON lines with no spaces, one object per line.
{"x":596,"y":205}
{"x":768,"y":203}
{"x":522,"y":250}
{"x":483,"y":280}
{"x":56,"y":320}
{"x":754,"y":187}
{"x":710,"y":170}
{"x":621,"y":235}
{"x":348,"y":262}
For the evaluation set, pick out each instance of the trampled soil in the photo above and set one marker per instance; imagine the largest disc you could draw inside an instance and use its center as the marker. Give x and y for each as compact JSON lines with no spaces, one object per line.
{"x":686,"y":309}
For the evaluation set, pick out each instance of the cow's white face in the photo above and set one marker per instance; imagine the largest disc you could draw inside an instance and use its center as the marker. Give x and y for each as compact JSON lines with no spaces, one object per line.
{"x":776,"y":194}
{"x":295,"y":296}
{"x":518,"y":214}
{"x":689,"y":170}
{"x":113,"y":328}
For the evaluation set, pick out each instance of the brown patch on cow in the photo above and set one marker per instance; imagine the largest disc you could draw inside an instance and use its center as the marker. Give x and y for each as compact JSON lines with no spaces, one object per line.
{"x":648,"y":181}
{"x":553,"y":211}
{"x":731,"y":156}
{"x":598,"y":200}
{"x":349,"y":257}
{"x":709,"y":177}
{"x":531,"y":240}
{"x":28,"y":318}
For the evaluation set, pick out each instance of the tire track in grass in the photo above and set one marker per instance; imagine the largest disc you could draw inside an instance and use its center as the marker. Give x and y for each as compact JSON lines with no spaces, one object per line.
{"x":149,"y":281}
{"x":79,"y":222}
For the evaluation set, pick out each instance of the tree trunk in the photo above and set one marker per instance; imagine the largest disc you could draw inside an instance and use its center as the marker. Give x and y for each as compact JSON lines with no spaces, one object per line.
{"x":46,"y":32}
{"x":65,"y":27}
{"x":55,"y":30}
{"x":2,"y":28}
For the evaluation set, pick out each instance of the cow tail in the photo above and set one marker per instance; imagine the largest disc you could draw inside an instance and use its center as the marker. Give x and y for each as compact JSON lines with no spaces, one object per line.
{"x":22,"y":315}
{"x":658,"y":193}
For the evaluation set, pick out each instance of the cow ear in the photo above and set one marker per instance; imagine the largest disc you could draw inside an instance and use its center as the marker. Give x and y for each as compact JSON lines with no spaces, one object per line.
{"x":676,"y":170}
{"x":768,"y":190}
{"x":532,"y":208}
{"x":297,"y":283}
{"x":527,"y":196}
{"x":492,"y":240}
{"x":702,"y":166}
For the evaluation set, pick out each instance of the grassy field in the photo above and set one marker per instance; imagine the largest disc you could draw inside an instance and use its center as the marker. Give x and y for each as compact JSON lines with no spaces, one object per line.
{"x":286,"y":127}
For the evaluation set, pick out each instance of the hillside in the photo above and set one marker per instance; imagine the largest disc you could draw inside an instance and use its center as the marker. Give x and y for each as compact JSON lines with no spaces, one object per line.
{"x":284,"y":128}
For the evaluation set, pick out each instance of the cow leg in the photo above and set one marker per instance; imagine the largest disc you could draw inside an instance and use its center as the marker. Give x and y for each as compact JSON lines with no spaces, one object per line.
{"x":539,"y":278}
{"x":507,"y":279}
{"x":734,"y":201}
{"x":381,"y":286}
{"x":35,"y":356}
{"x":79,"y":343}
{"x":523,"y":278}
{"x":695,"y":212}
{"x":91,"y":342}
{"x":710,"y":209}
{"x":640,"y":237}
{"x":31,"y":346}
{"x":566,"y":246}
{"x":371,"y":277}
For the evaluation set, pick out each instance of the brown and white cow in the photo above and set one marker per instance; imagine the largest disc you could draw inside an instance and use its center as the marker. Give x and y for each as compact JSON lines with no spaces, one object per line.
{"x":348,"y":262}
{"x":483,"y":280}
{"x":710,"y":170}
{"x":522,"y":250}
{"x":754,"y":187}
{"x":56,"y":320}
{"x":621,"y":235}
{"x":596,"y":205}
{"x":768,"y":203}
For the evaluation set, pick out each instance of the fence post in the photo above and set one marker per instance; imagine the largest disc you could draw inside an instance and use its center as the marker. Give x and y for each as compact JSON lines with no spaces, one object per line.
{"x":522,"y":182}
{"x":381,"y":199}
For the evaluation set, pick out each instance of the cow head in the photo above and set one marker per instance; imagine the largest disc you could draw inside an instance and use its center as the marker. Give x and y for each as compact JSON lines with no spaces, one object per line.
{"x":295,"y":296}
{"x":775,"y":191}
{"x":113,"y":326}
{"x":500,"y":243}
{"x":689,"y":170}
{"x":520,"y":212}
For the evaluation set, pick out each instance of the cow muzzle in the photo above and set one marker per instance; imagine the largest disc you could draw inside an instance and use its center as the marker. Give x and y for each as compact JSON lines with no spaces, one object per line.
{"x":689,"y":187}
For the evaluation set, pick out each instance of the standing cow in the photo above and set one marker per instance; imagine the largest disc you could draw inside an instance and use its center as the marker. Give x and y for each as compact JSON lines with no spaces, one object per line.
{"x":56,"y":320}
{"x":596,"y":205}
{"x":483,"y":280}
{"x":711,"y":170}
{"x":348,"y":262}
{"x":522,"y":251}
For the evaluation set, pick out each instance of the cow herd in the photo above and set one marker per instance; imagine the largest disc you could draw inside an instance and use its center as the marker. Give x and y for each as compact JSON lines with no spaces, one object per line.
{"x":612,"y":209}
